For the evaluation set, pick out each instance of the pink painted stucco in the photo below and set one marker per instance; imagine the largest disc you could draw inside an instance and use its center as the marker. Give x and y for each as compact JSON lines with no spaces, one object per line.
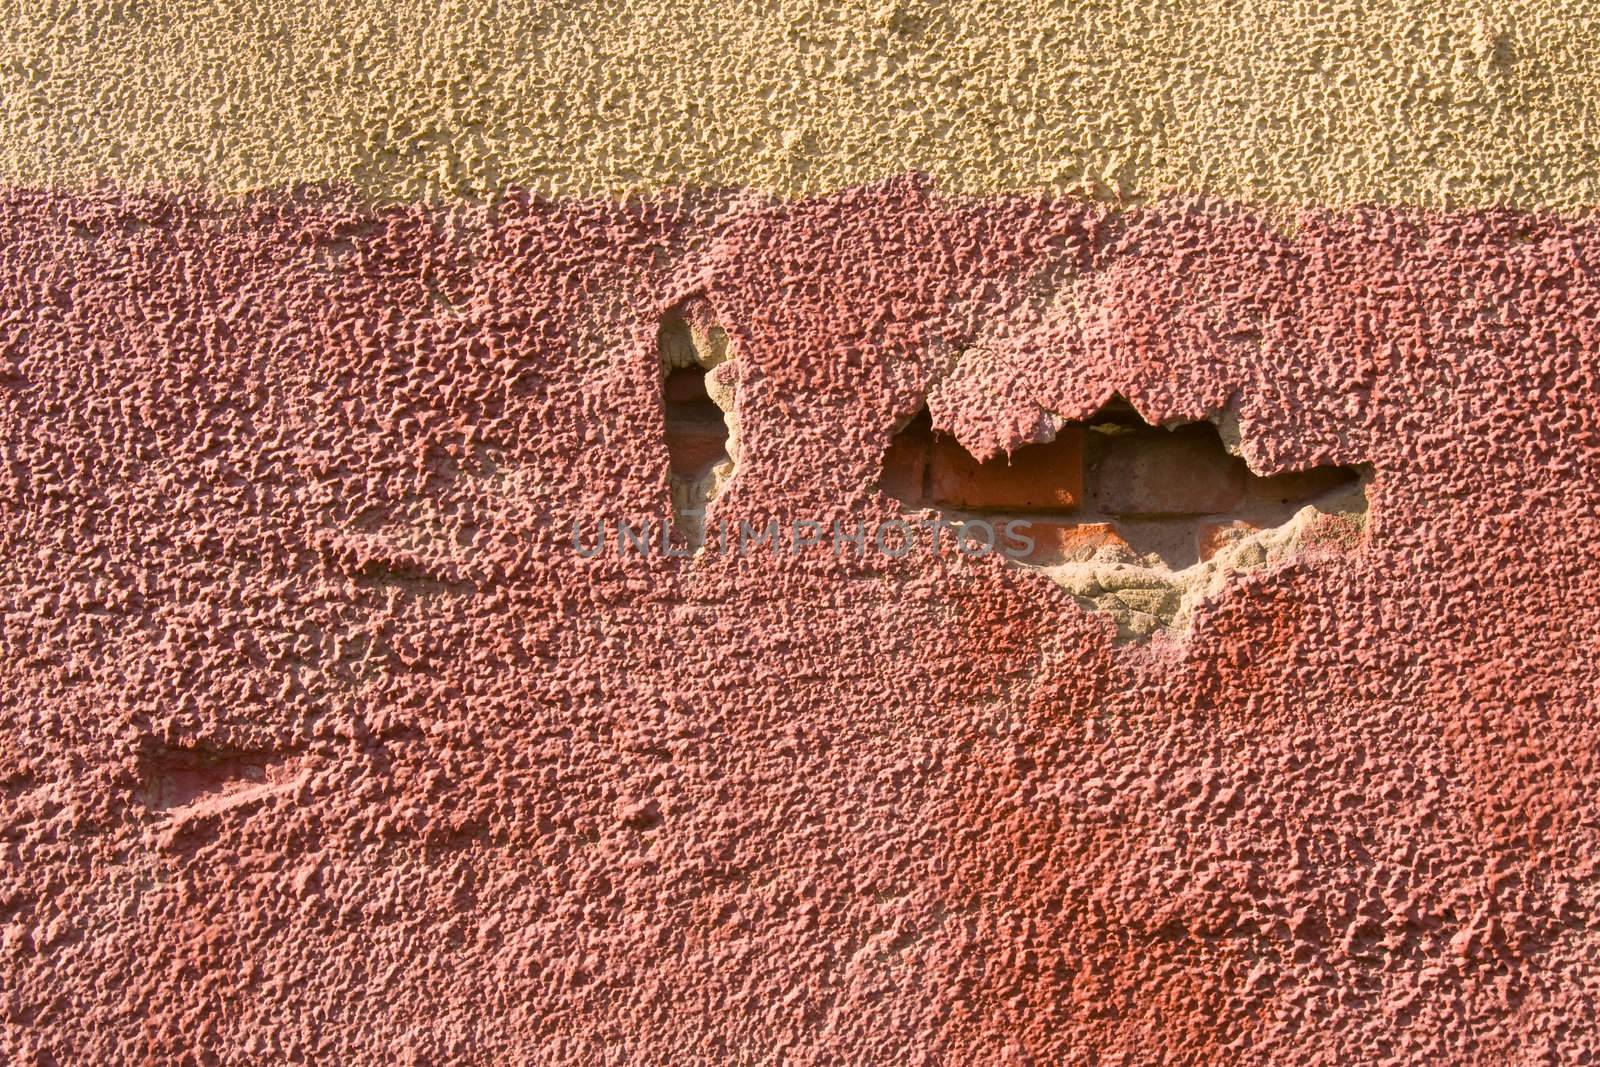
{"x":320,"y":744}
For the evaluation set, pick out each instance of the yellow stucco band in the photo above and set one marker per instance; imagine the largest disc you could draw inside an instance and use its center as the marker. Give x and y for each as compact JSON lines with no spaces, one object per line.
{"x":1287,"y":103}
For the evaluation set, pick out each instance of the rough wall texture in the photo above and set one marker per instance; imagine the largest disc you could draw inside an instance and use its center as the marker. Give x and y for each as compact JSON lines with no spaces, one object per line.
{"x":323,"y":743}
{"x":1423,"y":103}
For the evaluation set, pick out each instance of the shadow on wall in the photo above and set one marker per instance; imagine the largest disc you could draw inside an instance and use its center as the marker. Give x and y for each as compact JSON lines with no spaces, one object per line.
{"x":1134,"y":520}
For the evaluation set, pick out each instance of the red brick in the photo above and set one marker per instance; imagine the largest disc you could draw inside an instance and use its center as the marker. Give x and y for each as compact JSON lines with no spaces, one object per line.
{"x":686,"y":385}
{"x":1183,"y":472}
{"x":697,"y":436}
{"x":1297,"y":487}
{"x":693,"y":445}
{"x":1042,"y":477}
{"x":904,"y":467}
{"x":1059,"y":542}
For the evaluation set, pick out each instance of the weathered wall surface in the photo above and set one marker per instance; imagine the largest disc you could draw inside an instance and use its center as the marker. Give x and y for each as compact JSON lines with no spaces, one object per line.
{"x":321,"y":743}
{"x":1422,"y":103}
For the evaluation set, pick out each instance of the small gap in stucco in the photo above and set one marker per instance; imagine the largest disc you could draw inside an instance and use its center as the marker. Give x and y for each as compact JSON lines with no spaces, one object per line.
{"x":698,"y":389}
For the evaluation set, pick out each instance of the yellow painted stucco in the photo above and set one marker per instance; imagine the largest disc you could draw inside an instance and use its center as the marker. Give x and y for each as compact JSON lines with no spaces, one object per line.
{"x":1288,"y":103}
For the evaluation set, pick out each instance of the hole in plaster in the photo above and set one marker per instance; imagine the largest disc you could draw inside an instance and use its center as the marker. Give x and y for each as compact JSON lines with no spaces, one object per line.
{"x":698,"y":385}
{"x":1138,"y":521}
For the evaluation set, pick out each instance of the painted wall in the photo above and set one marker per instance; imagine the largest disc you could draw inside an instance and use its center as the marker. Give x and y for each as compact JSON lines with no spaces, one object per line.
{"x":322,"y":743}
{"x":1331,"y":103}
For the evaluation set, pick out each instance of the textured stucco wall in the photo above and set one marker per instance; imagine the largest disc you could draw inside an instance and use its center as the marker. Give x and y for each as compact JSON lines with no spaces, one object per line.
{"x":320,"y":744}
{"x":322,"y":741}
{"x":1425,"y":103}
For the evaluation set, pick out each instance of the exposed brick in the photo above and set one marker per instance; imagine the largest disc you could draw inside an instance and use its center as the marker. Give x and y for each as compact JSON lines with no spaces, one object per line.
{"x":696,"y":434}
{"x":687,"y":385}
{"x":1042,"y":477}
{"x":695,"y":444}
{"x":904,"y":466}
{"x":1060,"y":542}
{"x":1182,"y":472}
{"x":1297,"y":487}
